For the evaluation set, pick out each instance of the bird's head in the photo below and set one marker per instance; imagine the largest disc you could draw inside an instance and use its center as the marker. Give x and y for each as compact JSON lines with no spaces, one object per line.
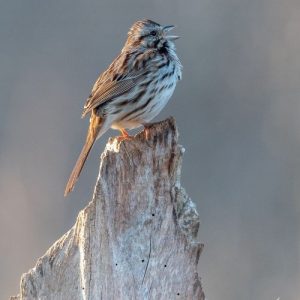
{"x":149,"y":34}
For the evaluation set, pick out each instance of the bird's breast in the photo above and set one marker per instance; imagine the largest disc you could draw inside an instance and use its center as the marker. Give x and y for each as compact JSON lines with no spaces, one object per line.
{"x":150,"y":95}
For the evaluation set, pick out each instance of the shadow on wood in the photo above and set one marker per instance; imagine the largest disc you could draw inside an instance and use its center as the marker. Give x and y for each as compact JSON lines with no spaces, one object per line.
{"x":136,"y":239}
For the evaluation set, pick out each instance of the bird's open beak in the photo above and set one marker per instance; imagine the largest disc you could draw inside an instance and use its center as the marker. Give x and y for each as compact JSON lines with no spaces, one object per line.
{"x":170,"y":37}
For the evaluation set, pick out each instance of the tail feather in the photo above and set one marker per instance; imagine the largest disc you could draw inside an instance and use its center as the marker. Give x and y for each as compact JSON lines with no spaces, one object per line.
{"x":94,"y":129}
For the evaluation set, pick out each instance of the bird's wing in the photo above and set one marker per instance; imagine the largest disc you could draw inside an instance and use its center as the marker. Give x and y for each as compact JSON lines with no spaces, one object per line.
{"x":109,"y":90}
{"x":112,"y":84}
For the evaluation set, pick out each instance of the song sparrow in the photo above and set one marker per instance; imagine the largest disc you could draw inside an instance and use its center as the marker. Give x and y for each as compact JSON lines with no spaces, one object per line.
{"x":134,"y":88}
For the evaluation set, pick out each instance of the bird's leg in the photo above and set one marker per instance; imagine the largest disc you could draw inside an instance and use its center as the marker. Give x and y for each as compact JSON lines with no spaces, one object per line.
{"x":146,"y":130}
{"x":125,"y":135}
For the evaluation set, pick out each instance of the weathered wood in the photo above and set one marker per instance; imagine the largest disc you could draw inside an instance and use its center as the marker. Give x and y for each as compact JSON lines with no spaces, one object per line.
{"x":136,"y":239}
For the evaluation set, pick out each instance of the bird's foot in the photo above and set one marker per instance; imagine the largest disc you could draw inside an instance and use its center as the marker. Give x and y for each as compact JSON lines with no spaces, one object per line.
{"x":124,"y":136}
{"x":146,"y":130}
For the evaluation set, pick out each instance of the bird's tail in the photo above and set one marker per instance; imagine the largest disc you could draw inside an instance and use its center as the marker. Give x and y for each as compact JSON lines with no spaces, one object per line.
{"x":93,"y":132}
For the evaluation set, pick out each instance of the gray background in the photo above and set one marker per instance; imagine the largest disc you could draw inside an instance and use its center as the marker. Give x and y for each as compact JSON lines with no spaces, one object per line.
{"x":237,"y":109}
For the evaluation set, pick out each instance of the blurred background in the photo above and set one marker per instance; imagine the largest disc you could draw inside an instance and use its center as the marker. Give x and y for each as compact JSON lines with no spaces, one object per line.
{"x":237,"y":109}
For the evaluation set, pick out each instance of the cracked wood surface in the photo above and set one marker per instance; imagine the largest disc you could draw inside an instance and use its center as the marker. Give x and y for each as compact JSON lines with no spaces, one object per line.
{"x":136,"y":239}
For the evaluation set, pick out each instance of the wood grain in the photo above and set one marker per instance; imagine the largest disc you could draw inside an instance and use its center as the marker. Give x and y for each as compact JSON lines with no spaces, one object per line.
{"x":136,"y":239}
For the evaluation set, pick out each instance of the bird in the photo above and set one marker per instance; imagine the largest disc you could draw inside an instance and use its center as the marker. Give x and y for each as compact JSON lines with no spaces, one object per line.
{"x":133,"y":89}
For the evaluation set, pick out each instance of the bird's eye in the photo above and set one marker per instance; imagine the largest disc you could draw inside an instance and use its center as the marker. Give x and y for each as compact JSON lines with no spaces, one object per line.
{"x":153,"y":33}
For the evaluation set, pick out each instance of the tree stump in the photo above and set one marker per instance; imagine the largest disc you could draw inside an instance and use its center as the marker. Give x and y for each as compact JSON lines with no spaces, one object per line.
{"x":136,"y":239}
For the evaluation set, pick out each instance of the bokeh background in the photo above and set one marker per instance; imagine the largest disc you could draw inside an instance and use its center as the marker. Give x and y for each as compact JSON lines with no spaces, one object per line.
{"x":237,"y":109}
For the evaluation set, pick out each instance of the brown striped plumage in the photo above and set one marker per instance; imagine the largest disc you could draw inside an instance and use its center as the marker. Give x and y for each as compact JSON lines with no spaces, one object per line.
{"x":134,"y":88}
